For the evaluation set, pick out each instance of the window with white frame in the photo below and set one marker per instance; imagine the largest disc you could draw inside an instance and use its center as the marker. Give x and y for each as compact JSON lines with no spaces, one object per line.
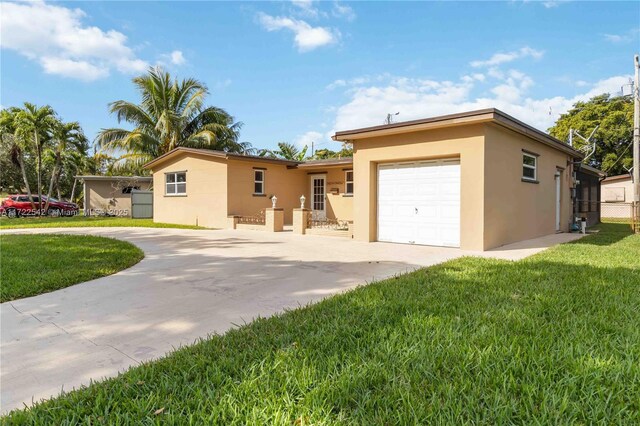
{"x":529,"y":166}
{"x":258,"y":182}
{"x":176,"y":183}
{"x":348,"y":182}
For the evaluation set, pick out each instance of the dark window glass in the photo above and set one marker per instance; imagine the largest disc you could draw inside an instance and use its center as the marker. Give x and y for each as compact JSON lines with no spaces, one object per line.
{"x":258,"y":178}
{"x":528,"y":173}
{"x":529,"y":160}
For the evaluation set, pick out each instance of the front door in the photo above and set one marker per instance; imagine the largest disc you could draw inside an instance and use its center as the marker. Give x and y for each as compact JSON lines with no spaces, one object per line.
{"x":318,"y":197}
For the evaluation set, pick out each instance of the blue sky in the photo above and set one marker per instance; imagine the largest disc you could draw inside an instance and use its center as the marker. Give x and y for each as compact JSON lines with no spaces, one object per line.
{"x":298,"y":71}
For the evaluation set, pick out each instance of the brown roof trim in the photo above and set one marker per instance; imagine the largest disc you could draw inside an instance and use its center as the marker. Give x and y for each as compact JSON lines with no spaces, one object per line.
{"x":326,"y":163}
{"x":617,"y":177}
{"x":216,"y":154}
{"x":470,"y":117}
{"x":101,"y":177}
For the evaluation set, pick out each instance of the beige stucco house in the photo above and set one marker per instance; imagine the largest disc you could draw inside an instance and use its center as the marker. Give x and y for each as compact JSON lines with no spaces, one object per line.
{"x":111,"y":195}
{"x":474,"y":180}
{"x":205,"y":187}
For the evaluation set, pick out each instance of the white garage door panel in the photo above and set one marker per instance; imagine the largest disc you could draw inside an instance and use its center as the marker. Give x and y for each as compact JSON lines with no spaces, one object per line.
{"x":419,"y":203}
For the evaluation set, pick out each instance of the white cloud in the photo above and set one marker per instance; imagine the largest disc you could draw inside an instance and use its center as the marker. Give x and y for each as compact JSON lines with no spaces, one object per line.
{"x":56,"y":38}
{"x":306,"y":8}
{"x":307,"y":138}
{"x":306,"y":37}
{"x":417,"y":98}
{"x":501,"y":58}
{"x":340,"y":10}
{"x":336,"y":84}
{"x":177,"y":58}
{"x":80,"y":70}
{"x":626,"y":37}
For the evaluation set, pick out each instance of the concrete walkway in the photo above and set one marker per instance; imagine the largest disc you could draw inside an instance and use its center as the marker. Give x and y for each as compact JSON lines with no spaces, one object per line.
{"x":191,"y":283}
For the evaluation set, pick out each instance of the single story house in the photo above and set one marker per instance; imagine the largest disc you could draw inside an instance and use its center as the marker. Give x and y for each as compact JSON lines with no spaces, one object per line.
{"x":111,"y":195}
{"x":474,"y":180}
{"x":617,"y":197}
{"x":205,"y":187}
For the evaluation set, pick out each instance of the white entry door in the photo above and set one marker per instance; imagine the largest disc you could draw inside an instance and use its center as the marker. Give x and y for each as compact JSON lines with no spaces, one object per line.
{"x":419,"y":203}
{"x":318,"y":197}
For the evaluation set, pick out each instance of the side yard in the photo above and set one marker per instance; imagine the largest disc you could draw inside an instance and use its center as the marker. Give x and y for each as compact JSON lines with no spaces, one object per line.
{"x":35,"y":264}
{"x":552,"y":339}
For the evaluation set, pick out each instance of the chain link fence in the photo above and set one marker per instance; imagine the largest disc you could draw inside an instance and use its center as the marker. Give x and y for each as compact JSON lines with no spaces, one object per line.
{"x":616,"y":212}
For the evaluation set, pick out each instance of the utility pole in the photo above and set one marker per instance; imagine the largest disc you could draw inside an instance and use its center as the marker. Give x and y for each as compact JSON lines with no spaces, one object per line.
{"x":636,"y":132}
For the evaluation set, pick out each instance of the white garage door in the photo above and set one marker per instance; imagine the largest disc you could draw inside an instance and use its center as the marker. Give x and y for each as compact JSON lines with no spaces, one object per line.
{"x":419,"y":203}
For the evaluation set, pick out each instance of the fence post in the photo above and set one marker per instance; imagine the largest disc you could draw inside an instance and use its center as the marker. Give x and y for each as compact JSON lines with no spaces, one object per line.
{"x":233,"y":221}
{"x":274,"y":219}
{"x":300,"y":220}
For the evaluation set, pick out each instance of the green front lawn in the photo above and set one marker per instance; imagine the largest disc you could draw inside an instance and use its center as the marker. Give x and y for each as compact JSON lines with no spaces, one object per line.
{"x":35,"y":264}
{"x":552,"y":339}
{"x":82,"y":221}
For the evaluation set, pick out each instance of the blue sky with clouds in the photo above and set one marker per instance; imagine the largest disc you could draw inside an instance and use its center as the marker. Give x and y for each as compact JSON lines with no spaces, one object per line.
{"x":298,"y":71}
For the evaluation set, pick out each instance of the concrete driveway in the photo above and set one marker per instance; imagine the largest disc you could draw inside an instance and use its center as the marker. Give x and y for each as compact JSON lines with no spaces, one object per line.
{"x":190,"y":284}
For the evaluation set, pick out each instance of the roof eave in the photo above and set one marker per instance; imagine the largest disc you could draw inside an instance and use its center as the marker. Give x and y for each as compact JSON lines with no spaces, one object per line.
{"x":490,"y":115}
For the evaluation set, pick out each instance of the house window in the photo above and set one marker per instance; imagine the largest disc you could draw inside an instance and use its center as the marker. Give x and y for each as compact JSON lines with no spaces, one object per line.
{"x":129,"y":189}
{"x":258,"y":182}
{"x":176,"y":183}
{"x":529,"y":166}
{"x":348,"y":182}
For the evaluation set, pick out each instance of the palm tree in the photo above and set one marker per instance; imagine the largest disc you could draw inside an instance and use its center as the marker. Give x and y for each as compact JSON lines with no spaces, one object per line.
{"x":172,"y":114}
{"x":285,"y":150}
{"x":65,"y":136}
{"x":8,"y":129}
{"x":36,"y":123}
{"x":289,"y":151}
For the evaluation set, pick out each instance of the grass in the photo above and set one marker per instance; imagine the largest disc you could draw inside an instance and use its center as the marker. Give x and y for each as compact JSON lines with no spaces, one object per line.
{"x":552,"y":339}
{"x":36,"y":264}
{"x":83,"y":221}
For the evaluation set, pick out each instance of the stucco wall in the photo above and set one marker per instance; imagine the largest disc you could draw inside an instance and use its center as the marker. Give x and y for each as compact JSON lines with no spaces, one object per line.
{"x":623,"y":189}
{"x":464,"y":142}
{"x":205,"y":203}
{"x":107,"y":195}
{"x":515,"y":210}
{"x":338,"y":205}
{"x":285,"y":184}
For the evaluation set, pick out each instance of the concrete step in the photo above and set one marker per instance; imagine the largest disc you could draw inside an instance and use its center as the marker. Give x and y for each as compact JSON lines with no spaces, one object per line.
{"x":328,"y":232}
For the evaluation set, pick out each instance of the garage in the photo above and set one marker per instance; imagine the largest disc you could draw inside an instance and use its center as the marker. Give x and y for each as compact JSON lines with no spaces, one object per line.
{"x":419,"y":202}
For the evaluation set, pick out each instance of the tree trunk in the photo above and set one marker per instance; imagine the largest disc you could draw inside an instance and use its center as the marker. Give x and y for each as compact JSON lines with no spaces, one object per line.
{"x":39,"y":170}
{"x":73,"y":189}
{"x":54,"y":174}
{"x":26,"y":181}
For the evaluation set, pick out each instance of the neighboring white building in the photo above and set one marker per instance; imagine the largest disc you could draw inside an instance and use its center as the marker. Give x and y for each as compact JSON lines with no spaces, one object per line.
{"x":617,"y":197}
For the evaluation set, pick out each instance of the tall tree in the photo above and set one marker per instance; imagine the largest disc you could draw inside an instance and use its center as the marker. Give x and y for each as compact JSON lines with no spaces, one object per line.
{"x":171,"y":114}
{"x":65,"y":136}
{"x":18,"y":145}
{"x":614,"y":137}
{"x":35,"y":124}
{"x":289,"y":151}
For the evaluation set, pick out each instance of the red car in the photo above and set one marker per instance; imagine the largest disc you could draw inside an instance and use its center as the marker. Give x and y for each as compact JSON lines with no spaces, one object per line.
{"x":20,"y":205}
